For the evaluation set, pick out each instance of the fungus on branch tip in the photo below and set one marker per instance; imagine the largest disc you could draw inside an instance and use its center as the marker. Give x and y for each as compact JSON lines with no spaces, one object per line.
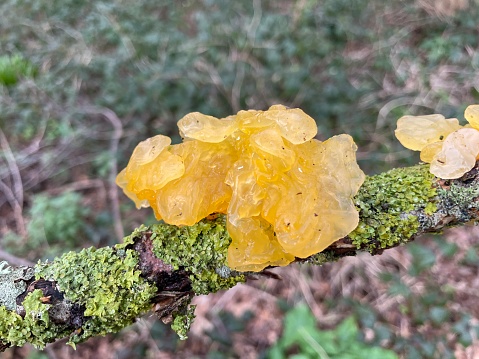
{"x":451,"y":149}
{"x":285,"y":194}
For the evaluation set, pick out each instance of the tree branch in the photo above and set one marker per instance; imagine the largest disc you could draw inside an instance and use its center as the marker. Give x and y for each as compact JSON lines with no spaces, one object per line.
{"x":160,"y":268}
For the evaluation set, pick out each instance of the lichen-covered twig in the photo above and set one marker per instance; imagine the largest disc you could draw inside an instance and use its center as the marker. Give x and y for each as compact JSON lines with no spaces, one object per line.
{"x":160,"y":268}
{"x":399,"y":205}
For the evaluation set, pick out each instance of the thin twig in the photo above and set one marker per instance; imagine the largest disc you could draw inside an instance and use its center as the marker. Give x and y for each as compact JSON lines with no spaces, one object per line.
{"x":78,"y":186}
{"x":17,"y":209}
{"x":115,"y":139}
{"x":13,"y":260}
{"x":17,"y":181}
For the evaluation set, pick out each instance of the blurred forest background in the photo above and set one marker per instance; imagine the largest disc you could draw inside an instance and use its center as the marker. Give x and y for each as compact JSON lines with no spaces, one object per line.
{"x":82,"y":82}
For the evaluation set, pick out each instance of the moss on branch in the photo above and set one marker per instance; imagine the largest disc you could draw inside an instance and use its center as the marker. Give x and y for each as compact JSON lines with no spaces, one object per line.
{"x":388,"y":205}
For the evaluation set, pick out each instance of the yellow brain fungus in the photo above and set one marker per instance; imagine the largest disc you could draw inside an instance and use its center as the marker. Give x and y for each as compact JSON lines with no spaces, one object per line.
{"x":285,"y":194}
{"x":451,"y":149}
{"x":416,"y":132}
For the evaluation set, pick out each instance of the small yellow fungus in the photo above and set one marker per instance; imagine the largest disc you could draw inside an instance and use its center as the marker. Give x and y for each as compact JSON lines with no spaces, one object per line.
{"x":416,"y":132}
{"x":472,"y":115}
{"x":451,"y":149}
{"x":458,"y":154}
{"x":429,"y":151}
{"x":285,"y":194}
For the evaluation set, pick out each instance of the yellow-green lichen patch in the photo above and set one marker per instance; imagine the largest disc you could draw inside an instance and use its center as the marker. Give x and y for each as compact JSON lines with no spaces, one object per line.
{"x":386,"y":203}
{"x":200,"y":250}
{"x":182,"y":322}
{"x":130,"y":239}
{"x":430,"y":208}
{"x":106,"y":282}
{"x":36,"y":328}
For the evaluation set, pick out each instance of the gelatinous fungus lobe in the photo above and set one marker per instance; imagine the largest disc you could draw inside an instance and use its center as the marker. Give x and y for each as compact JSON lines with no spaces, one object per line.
{"x":458,"y":154}
{"x":201,"y":190}
{"x":285,"y":194}
{"x":151,"y":166}
{"x":451,"y":149}
{"x":254,"y":246}
{"x":417,"y":132}
{"x":314,"y":206}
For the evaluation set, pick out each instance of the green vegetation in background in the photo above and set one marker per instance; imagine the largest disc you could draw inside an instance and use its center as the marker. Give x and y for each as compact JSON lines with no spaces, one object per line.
{"x":224,"y":331}
{"x":12,"y":68}
{"x":152,"y":62}
{"x":343,"y":342}
{"x":437,"y":327}
{"x":57,"y":224}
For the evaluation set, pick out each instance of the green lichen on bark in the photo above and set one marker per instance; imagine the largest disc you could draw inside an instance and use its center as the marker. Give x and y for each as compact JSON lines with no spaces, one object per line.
{"x":323,"y":257}
{"x":200,"y":250}
{"x":458,"y":199}
{"x":182,"y":323}
{"x":106,"y":282}
{"x":386,"y":203}
{"x":108,"y":285}
{"x":130,"y":239}
{"x":35,"y":328}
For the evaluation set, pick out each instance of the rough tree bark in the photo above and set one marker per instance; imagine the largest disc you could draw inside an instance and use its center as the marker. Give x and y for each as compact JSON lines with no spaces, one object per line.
{"x":98,"y":291}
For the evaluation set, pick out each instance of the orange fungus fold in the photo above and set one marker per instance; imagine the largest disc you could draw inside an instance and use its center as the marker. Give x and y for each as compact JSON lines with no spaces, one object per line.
{"x":285,"y":194}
